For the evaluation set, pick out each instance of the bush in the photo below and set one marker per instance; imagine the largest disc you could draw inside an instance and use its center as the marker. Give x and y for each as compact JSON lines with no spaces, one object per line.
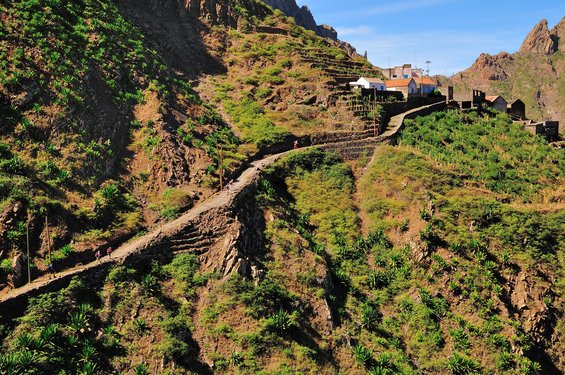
{"x":461,"y":365}
{"x":363,"y":355}
{"x":264,"y":299}
{"x":370,"y":316}
{"x":281,"y":322}
{"x":493,"y":150}
{"x":119,"y":274}
{"x":253,"y":123}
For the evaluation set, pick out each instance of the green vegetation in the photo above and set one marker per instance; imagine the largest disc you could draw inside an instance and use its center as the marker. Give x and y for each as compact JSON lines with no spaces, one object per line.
{"x":475,"y":233}
{"x":255,"y":126}
{"x":500,"y":155}
{"x":444,"y":257}
{"x":73,"y":331}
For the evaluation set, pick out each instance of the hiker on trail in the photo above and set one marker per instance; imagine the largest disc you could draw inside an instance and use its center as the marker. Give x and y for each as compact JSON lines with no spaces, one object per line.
{"x":109,"y":252}
{"x":97,"y":255}
{"x":295,"y":144}
{"x":51,"y":270}
{"x":229,"y":185}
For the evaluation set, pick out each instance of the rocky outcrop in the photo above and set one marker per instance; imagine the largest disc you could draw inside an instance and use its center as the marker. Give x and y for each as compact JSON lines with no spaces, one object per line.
{"x":221,"y":11}
{"x":558,"y":34}
{"x":489,"y":67}
{"x":528,"y":297}
{"x":540,"y":40}
{"x":327,"y":31}
{"x":19,"y":264}
{"x":303,"y":17}
{"x":8,"y":219}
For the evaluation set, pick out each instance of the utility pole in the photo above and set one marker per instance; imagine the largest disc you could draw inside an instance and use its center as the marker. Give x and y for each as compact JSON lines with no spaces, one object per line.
{"x":375,"y":112}
{"x":428,"y":62}
{"x":48,"y":238}
{"x":221,"y":162}
{"x":27,"y":243}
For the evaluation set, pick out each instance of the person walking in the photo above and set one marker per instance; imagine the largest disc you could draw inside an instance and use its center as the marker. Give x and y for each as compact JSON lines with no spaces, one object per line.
{"x":97,"y":255}
{"x":229,"y":186}
{"x":51,"y":270}
{"x":296,"y":144}
{"x":109,"y":252}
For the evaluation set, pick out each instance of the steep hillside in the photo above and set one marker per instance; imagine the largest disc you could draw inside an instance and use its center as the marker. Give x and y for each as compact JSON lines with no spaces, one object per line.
{"x":303,"y":17}
{"x":459,"y":272}
{"x":535,"y":74}
{"x":441,"y":255}
{"x":117,"y":116}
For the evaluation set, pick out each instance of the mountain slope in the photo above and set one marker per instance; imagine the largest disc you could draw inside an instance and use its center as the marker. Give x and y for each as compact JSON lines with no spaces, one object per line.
{"x":535,"y":74}
{"x":302,"y":16}
{"x":458,"y":273}
{"x":117,"y":116}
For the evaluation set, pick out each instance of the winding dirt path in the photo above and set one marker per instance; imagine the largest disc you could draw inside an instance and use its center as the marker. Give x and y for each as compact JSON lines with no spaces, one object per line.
{"x":218,"y":200}
{"x":119,"y":255}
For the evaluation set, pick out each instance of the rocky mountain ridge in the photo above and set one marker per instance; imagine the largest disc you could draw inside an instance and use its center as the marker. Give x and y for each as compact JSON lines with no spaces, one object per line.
{"x":534,"y":74}
{"x":303,"y":17}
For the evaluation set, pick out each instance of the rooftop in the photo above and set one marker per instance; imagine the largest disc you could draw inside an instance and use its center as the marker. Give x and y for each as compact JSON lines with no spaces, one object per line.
{"x":399,"y":82}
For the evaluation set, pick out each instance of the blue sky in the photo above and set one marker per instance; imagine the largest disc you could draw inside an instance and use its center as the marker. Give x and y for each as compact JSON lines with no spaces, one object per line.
{"x":449,"y":33}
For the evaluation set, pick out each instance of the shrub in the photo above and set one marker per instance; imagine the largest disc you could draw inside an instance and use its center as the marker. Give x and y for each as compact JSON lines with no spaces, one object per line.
{"x":378,"y":279}
{"x":461,"y":365}
{"x":140,"y":326}
{"x":119,"y":273}
{"x":175,"y":349}
{"x":264,"y":299}
{"x":370,"y":316}
{"x":141,"y":369}
{"x":150,"y":284}
{"x":363,"y":355}
{"x":460,"y":338}
{"x":281,"y":322}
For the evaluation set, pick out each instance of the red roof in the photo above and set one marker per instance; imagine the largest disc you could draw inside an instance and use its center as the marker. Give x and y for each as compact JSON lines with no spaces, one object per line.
{"x":492,"y":98}
{"x":399,"y":82}
{"x":425,"y":81}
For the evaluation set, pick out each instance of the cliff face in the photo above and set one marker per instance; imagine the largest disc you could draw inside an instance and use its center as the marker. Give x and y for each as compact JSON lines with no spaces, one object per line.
{"x":221,"y":11}
{"x":534,"y":74}
{"x":303,"y":17}
{"x":540,"y":40}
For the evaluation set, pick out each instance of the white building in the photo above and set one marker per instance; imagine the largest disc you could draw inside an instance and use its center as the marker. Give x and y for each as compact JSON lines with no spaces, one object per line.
{"x":369,"y":83}
{"x":407,"y":86}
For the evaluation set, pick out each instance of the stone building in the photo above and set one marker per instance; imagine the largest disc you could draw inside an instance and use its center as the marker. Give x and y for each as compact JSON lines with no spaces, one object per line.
{"x":517,"y":109}
{"x":497,"y":102}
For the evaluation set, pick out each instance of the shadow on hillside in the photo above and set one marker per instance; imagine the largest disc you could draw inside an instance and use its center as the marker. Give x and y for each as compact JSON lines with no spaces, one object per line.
{"x":175,"y":34}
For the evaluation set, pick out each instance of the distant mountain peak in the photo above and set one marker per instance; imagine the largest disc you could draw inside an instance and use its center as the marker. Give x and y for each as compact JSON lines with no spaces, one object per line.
{"x":540,"y":40}
{"x":303,"y":17}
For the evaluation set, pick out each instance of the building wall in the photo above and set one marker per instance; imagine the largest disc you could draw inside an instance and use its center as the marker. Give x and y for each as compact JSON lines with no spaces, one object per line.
{"x":517,"y":110}
{"x":427,"y":89}
{"x":548,"y":129}
{"x":499,"y":104}
{"x":383,"y":95}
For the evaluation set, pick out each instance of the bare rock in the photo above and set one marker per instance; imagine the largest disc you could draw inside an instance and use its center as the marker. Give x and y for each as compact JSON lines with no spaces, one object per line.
{"x":221,"y":11}
{"x":539,"y":40}
{"x":19,"y":266}
{"x":528,"y":299}
{"x":558,"y":35}
{"x":489,"y":67}
{"x":303,"y":17}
